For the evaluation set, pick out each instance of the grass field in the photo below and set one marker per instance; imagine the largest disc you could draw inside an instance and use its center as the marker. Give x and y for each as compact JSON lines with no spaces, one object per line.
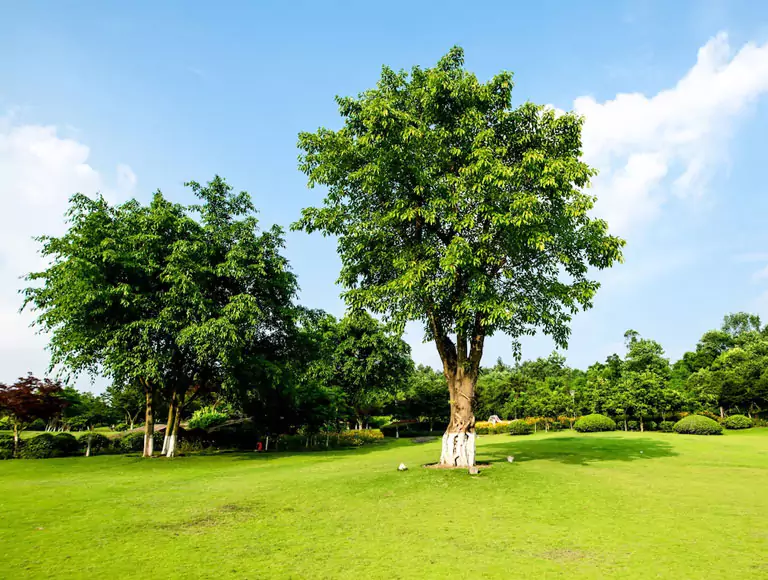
{"x":634,"y":505}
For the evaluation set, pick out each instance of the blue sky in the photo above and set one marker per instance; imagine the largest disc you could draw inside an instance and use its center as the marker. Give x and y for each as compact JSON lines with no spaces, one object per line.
{"x":128,"y":98}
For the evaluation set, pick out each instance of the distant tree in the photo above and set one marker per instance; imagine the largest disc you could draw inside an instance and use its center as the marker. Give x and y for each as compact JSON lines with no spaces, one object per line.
{"x":425,"y":396}
{"x":454,"y":209}
{"x":741,"y":323}
{"x":126,"y":399}
{"x":368,"y":363}
{"x":29,"y":399}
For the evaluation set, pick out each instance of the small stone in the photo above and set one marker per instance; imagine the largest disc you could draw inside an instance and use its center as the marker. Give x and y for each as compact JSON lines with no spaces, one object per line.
{"x":402,"y":467}
{"x":510,"y":458}
{"x":474,"y":470}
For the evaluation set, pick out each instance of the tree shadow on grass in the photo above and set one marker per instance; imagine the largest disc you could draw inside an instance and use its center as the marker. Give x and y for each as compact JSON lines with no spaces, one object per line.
{"x":324,"y":453}
{"x":574,"y":450}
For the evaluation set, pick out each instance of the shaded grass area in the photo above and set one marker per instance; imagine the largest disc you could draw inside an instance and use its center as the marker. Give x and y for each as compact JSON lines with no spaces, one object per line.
{"x":629,"y":505}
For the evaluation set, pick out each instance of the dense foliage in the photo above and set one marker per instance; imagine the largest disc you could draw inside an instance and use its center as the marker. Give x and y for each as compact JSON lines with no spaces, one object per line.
{"x":593,"y":423}
{"x":206,"y":417}
{"x":698,"y":425}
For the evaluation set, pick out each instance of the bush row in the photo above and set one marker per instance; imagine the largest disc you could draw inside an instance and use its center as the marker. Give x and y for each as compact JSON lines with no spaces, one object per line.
{"x":239,"y":435}
{"x":46,"y":445}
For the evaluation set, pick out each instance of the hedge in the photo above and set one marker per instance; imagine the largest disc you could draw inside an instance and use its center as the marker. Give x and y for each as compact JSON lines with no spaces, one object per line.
{"x":594,"y":423}
{"x":99,"y":443}
{"x":667,"y":426}
{"x":698,"y":425}
{"x":520,"y":427}
{"x":6,"y":446}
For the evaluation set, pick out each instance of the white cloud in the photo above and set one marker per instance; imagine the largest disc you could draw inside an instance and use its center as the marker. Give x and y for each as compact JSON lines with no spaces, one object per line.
{"x":649,"y":148}
{"x":752,"y":257}
{"x":761,"y":274}
{"x":39,"y":171}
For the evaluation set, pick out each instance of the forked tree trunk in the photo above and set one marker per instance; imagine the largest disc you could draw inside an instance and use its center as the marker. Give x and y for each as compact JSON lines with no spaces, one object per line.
{"x":169,"y":423}
{"x":174,"y":436}
{"x":149,"y":424}
{"x":459,"y":438}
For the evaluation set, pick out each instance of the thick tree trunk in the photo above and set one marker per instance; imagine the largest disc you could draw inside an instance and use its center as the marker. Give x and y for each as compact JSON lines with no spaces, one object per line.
{"x":722,"y":412}
{"x":149,"y":424}
{"x":174,"y":436}
{"x":459,"y":439}
{"x":641,"y":424}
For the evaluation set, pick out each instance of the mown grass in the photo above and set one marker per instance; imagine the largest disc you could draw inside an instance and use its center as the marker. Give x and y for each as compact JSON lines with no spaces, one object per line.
{"x":615,"y":505}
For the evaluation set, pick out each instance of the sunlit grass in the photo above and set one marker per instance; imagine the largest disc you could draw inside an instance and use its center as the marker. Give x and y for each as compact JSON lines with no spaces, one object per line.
{"x":623,"y":505}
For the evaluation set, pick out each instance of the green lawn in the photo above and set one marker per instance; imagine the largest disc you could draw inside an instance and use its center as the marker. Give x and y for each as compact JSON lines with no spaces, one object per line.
{"x":636,"y":505}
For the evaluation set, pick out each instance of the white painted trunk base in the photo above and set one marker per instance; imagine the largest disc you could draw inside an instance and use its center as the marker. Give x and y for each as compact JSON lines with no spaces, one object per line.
{"x":171,"y":451}
{"x":165,"y":442}
{"x":458,"y":450}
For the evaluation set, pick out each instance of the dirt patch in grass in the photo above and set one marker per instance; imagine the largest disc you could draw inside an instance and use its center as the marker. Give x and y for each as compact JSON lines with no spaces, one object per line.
{"x":563,"y":556}
{"x":438,"y":466}
{"x":424,"y":439}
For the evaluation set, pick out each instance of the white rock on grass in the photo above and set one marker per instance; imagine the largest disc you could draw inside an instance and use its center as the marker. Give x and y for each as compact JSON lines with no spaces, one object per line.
{"x":402,"y":467}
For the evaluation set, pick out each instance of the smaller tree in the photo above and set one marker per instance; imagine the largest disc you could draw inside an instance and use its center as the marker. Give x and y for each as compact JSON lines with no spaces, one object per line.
{"x":27,"y":400}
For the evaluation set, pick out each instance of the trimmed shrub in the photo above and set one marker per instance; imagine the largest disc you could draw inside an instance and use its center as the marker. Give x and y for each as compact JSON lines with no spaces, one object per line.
{"x":65,"y":444}
{"x":99,"y":442}
{"x":207,"y":417}
{"x":633,"y":425}
{"x":737,"y":422}
{"x":519,"y":427}
{"x":650,"y":425}
{"x":6,"y":446}
{"x":594,"y":423}
{"x":120,"y":427}
{"x":698,"y":425}
{"x":41,"y":446}
{"x":667,"y":426}
{"x":36,"y":425}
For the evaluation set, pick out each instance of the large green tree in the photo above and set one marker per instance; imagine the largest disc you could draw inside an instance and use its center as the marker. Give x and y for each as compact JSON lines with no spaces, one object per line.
{"x":173,"y":298}
{"x":455,"y":209}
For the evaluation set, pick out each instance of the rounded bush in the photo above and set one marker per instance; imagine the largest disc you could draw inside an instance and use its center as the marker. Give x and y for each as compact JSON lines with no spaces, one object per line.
{"x":737,"y":422}
{"x":41,"y":446}
{"x":667,"y":426}
{"x":99,"y":442}
{"x":65,"y":444}
{"x":519,"y":427}
{"x":594,"y":423}
{"x":698,"y":425}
